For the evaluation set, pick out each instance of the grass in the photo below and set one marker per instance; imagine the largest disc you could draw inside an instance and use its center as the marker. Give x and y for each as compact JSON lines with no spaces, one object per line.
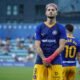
{"x":78,"y":74}
{"x":15,"y":73}
{"x":20,"y":73}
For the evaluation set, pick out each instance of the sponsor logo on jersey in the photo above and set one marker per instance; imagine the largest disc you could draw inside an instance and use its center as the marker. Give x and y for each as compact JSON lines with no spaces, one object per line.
{"x":50,"y":41}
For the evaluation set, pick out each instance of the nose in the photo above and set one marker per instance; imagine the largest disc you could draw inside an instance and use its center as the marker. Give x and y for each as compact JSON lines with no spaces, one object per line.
{"x":50,"y":12}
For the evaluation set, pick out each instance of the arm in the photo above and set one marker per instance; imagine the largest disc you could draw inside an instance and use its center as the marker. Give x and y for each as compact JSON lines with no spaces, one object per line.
{"x":38,"y":42}
{"x":38,"y":49}
{"x":40,"y":52}
{"x":62,"y":40}
{"x":57,"y":52}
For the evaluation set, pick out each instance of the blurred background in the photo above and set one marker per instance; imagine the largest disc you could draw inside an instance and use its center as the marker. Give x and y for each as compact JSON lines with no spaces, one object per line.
{"x":18,"y":21}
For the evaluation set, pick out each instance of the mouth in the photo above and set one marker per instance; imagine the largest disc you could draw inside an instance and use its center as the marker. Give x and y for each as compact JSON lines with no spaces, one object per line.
{"x":51,"y":17}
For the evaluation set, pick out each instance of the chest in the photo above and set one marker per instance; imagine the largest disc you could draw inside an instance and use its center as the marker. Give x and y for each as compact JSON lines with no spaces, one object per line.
{"x":49,"y":32}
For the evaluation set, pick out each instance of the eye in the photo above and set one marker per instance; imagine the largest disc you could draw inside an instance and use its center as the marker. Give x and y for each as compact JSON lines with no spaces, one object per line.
{"x":53,"y":10}
{"x":48,"y":9}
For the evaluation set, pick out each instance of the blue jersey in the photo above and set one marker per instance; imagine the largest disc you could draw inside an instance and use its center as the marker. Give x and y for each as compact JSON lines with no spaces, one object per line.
{"x":72,"y":47}
{"x":49,"y":38}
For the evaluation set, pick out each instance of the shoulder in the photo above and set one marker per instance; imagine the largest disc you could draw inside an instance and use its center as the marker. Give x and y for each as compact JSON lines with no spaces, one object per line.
{"x":40,"y":25}
{"x":60,"y":26}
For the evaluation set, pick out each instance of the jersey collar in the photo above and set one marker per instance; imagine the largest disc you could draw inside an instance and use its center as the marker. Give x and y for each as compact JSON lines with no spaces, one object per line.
{"x":70,"y":36}
{"x":49,"y":25}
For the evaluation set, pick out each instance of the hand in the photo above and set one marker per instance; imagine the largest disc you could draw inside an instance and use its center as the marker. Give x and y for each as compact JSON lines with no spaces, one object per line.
{"x":46,"y":64}
{"x":47,"y":60}
{"x":51,"y":57}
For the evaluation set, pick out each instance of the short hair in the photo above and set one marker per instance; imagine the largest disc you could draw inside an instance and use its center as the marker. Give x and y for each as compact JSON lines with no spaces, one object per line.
{"x":52,"y":4}
{"x":69,"y":27}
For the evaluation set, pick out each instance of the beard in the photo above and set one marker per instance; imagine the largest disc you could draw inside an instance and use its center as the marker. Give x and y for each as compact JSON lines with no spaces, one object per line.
{"x":51,"y":17}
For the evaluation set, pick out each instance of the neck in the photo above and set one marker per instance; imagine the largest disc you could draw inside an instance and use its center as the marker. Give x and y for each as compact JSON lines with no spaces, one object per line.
{"x":70,"y":34}
{"x":50,"y":21}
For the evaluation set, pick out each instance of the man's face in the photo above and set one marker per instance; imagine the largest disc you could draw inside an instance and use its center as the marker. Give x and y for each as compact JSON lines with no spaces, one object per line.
{"x":51,"y":12}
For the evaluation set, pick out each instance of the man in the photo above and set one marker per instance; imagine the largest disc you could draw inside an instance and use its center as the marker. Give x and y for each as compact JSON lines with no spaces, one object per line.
{"x":50,"y":42}
{"x":72,"y":48}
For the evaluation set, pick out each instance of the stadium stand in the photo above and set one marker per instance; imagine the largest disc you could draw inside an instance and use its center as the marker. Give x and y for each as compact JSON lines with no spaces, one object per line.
{"x":21,"y":37}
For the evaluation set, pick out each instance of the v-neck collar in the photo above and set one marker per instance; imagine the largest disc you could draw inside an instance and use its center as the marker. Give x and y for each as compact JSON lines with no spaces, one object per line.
{"x":70,"y":36}
{"x":49,"y":25}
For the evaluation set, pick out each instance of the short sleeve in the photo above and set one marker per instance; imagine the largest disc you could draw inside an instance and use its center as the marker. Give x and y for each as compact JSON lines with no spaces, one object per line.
{"x":62,"y":32}
{"x":38,"y":33}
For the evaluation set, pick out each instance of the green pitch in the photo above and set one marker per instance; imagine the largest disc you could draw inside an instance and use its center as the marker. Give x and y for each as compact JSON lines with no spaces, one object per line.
{"x":16,"y":73}
{"x":20,"y":73}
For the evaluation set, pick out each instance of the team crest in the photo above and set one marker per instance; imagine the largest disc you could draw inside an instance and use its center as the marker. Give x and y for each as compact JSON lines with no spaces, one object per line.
{"x":54,"y":32}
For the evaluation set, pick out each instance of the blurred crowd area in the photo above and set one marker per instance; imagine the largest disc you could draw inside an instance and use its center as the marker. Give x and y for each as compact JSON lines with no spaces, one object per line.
{"x":18,"y":49}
